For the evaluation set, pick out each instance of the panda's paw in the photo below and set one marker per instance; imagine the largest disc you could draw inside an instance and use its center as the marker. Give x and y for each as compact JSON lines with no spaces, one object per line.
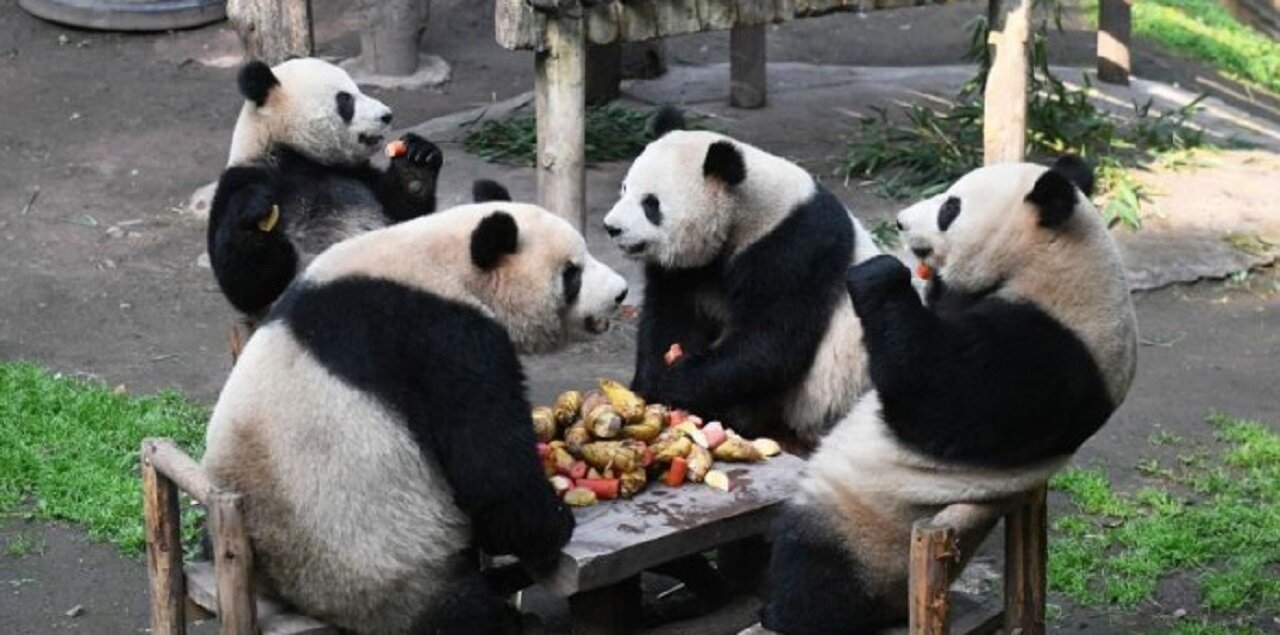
{"x":254,"y":211}
{"x":875,"y":278}
{"x":421,"y":153}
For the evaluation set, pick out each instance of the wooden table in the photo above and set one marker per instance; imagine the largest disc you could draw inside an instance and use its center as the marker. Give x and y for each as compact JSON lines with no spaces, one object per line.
{"x":600,"y":568}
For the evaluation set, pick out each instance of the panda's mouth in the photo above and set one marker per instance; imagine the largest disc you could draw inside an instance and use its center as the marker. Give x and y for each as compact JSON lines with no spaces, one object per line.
{"x":371,"y":140}
{"x":596,"y":325}
{"x":634,"y":249}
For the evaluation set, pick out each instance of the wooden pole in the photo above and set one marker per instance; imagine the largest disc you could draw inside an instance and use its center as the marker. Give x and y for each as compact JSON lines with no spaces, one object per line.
{"x":1004,"y":120}
{"x":233,"y":564}
{"x":164,"y":548}
{"x":176,"y":466}
{"x":560,"y":96}
{"x":1025,"y":556}
{"x":933,"y":551}
{"x":1114,"y":30}
{"x":392,"y":31}
{"x":748,"y":62}
{"x":273,"y":30}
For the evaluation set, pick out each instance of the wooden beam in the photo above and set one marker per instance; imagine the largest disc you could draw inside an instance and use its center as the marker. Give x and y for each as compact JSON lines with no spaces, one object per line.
{"x":1025,"y":556}
{"x":933,"y":552}
{"x":560,"y":95}
{"x":233,"y":565}
{"x":1114,"y":31}
{"x":178,"y":467}
{"x":162,"y":522}
{"x":748,"y":57}
{"x":1004,"y":120}
{"x":273,"y":30}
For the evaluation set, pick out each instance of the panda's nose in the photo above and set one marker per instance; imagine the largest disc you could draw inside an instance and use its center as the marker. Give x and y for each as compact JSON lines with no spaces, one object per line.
{"x":612,"y":231}
{"x":386,"y":118}
{"x":621,"y":296}
{"x":922,"y":252}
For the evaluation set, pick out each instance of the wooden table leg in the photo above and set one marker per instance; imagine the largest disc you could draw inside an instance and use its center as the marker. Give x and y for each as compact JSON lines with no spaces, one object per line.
{"x":561,"y":102}
{"x":1026,"y":553}
{"x":610,"y":610}
{"x":164,"y":549}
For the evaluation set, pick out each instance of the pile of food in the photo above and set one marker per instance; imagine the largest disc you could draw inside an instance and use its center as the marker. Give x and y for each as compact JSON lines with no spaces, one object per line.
{"x":609,"y":444}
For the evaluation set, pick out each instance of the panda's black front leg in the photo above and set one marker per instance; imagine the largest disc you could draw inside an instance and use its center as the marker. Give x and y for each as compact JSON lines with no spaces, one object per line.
{"x":903,"y":338}
{"x":252,"y":260}
{"x":408,"y":187}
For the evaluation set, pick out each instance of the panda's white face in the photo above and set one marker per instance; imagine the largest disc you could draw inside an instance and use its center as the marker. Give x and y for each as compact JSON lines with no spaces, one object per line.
{"x":519,"y":263}
{"x":978,"y":231}
{"x":670,"y":213}
{"x":317,"y":109}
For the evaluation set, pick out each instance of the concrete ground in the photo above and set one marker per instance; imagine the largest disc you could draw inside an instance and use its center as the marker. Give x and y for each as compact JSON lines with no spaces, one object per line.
{"x":105,"y":136}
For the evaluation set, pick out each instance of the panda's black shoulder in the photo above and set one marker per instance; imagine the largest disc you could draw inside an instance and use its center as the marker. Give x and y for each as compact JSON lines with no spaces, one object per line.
{"x":300,"y":167}
{"x":818,"y":228}
{"x":407,"y":347}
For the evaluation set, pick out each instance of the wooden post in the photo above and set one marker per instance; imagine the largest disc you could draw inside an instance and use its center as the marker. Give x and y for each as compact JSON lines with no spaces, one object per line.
{"x":233,"y":564}
{"x":1025,"y":555}
{"x":610,"y":610}
{"x":164,"y":548}
{"x":1114,"y":30}
{"x":933,"y":551}
{"x":273,"y":30}
{"x":560,"y":95}
{"x":391,"y":34}
{"x":748,"y":57}
{"x":1004,"y":119}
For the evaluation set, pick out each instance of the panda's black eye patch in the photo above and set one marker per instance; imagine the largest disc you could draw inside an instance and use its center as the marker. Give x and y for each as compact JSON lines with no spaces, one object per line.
{"x":652,"y":209}
{"x":572,"y":282}
{"x":346,"y":106}
{"x":947,"y":215}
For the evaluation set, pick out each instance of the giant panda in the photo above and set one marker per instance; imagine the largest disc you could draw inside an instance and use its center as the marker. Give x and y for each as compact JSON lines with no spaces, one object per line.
{"x":299,"y":177}
{"x":377,"y":420}
{"x":1023,"y":346}
{"x":744,"y":256}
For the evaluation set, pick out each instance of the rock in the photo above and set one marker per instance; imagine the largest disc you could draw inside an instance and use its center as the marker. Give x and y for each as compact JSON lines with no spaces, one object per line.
{"x":202,"y":261}
{"x":75,"y":611}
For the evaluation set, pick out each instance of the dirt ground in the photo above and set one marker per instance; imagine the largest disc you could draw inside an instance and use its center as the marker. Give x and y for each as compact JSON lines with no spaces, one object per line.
{"x":104,"y":136}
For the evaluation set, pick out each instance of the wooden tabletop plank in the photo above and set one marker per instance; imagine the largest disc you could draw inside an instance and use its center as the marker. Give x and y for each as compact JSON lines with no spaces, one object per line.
{"x":618,"y":539}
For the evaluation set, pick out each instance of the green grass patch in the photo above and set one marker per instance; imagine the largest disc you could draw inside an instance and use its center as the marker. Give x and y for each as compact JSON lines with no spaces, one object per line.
{"x":70,"y":450}
{"x":614,"y":133}
{"x":1213,"y":516}
{"x":1207,"y":31}
{"x":927,"y":149}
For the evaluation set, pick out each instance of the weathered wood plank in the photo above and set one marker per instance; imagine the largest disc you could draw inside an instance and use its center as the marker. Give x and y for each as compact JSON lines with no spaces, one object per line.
{"x":273,"y":30}
{"x":1114,"y":31}
{"x":178,"y":467}
{"x":616,"y":540}
{"x":933,"y":551}
{"x":273,"y":617}
{"x":519,"y":26}
{"x":1004,"y":121}
{"x":970,"y":615}
{"x":162,"y":523}
{"x":1025,"y":575}
{"x":233,"y":564}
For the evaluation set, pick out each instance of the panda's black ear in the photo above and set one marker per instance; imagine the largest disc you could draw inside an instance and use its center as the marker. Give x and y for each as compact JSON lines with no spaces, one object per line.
{"x":1077,"y":171}
{"x":495,"y":237}
{"x":724,"y":162}
{"x":484,"y":190}
{"x":1055,"y":198}
{"x":256,"y":81}
{"x":667,"y":118}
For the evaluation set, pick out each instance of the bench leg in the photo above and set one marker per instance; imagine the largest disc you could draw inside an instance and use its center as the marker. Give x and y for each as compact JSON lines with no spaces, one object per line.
{"x":1114,"y":28}
{"x":164,"y":550}
{"x":233,"y":565}
{"x":747,"y":66}
{"x":610,"y":610}
{"x":1026,"y":554}
{"x":934,"y":551}
{"x":561,"y":102}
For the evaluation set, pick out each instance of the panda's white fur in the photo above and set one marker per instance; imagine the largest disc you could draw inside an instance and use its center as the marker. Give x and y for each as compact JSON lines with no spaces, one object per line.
{"x":357,"y":503}
{"x":1008,"y":244}
{"x":704,"y":225}
{"x":299,"y":177}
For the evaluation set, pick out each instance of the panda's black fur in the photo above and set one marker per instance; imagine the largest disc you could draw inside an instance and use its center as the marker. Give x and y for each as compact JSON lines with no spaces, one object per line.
{"x":975,"y":389}
{"x":747,"y":279}
{"x":318,"y":204}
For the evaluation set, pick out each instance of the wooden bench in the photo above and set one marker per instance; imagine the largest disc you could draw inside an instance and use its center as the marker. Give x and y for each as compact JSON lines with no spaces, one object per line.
{"x":600,"y":568}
